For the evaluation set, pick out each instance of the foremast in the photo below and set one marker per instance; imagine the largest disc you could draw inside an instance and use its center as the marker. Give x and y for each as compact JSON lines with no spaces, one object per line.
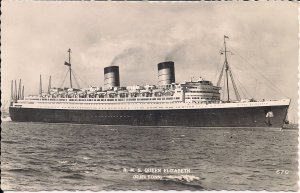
{"x":70,"y":67}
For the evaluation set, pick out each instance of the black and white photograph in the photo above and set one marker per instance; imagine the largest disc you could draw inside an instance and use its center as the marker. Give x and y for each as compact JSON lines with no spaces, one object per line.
{"x":149,"y":95}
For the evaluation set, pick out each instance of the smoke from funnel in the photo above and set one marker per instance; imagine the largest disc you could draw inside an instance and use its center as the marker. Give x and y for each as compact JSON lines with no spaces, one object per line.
{"x":125,"y":54}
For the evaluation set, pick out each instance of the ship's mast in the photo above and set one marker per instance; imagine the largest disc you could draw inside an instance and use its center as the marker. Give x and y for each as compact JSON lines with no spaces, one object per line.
{"x":19,"y":91}
{"x":228,"y":73}
{"x":226,"y":67}
{"x":23,"y":93}
{"x":41,"y":87}
{"x":49,"y":85}
{"x":16,"y":90}
{"x":70,"y":69}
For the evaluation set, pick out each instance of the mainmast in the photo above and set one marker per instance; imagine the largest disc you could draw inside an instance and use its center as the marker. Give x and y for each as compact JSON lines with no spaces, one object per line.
{"x":226,"y":67}
{"x":228,"y":71}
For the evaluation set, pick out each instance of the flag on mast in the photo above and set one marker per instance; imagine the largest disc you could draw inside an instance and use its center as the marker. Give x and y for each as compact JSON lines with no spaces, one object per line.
{"x":67,"y":64}
{"x":226,"y":37}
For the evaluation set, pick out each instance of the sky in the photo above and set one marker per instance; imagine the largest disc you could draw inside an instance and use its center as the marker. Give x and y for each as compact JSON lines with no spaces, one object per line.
{"x":136,"y":36}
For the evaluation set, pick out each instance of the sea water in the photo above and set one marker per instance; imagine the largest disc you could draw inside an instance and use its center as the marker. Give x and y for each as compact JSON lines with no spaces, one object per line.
{"x":41,"y":156}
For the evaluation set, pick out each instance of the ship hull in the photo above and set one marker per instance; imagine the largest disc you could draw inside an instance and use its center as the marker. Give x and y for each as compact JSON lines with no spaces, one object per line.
{"x":220,"y":117}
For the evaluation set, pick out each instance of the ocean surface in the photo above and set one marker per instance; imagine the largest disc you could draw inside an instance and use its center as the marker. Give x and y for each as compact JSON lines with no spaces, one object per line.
{"x":39,"y":156}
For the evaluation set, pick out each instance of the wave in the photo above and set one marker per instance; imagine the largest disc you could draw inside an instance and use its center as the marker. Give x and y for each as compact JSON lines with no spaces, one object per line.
{"x":182,"y":178}
{"x":10,"y":142}
{"x":62,"y":162}
{"x":74,"y":176}
{"x":25,"y":170}
{"x":86,"y":158}
{"x":188,"y":181}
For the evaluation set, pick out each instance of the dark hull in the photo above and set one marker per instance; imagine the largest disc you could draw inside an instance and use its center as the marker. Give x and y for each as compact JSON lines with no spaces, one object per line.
{"x":225,"y":117}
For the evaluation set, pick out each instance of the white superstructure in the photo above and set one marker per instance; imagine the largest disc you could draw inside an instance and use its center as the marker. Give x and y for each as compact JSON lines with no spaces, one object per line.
{"x":188,"y":95}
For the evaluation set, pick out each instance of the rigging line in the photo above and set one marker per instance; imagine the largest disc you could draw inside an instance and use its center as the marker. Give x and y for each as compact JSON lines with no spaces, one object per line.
{"x":217,"y":70}
{"x":62,"y":75}
{"x":242,"y":92}
{"x":64,"y":79}
{"x":75,"y":79}
{"x":237,"y":95}
{"x":221,"y":75}
{"x":85,"y":83}
{"x":241,"y":86}
{"x":274,"y":86}
{"x":236,"y":92}
{"x":81,"y":78}
{"x":223,"y":90}
{"x":243,"y":89}
{"x":219,"y":64}
{"x":77,"y":84}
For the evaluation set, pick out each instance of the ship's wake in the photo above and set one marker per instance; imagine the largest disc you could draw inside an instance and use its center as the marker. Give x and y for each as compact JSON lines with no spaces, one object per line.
{"x":189,"y":182}
{"x":181,"y":178}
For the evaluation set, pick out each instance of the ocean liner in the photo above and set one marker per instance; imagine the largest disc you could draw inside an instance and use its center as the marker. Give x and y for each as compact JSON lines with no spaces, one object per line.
{"x":191,"y":103}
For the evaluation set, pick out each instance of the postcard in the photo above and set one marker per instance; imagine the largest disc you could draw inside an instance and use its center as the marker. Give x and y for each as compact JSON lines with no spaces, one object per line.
{"x":149,"y":95}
